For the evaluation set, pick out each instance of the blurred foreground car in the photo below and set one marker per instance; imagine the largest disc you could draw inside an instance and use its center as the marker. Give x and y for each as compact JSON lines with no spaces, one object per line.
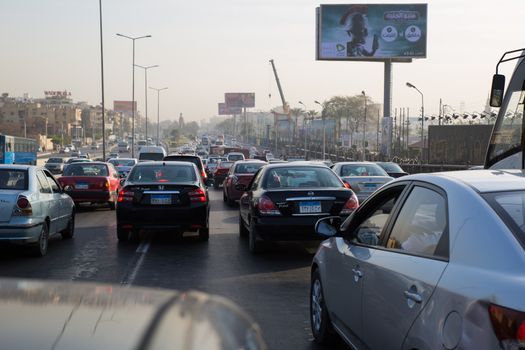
{"x":392,"y":169}
{"x":73,"y":315}
{"x":91,"y":182}
{"x":363,"y":177}
{"x":163,"y":195}
{"x":33,"y":208}
{"x":430,"y":261}
{"x":241,"y":172}
{"x":284,"y":201}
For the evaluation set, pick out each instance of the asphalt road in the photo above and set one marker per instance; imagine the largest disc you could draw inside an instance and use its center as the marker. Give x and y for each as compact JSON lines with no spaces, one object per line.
{"x":273,"y":288}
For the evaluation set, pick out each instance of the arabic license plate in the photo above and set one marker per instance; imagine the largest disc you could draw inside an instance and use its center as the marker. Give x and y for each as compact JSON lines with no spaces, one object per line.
{"x":309,"y":207}
{"x":82,"y":186}
{"x":160,"y":199}
{"x":370,"y":186}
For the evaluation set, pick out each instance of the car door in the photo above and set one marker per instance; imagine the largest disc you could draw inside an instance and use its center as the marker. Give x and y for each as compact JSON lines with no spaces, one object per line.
{"x":400,"y":277}
{"x":246,"y":198}
{"x":48,"y":206}
{"x":60,"y":200}
{"x":345,"y":276}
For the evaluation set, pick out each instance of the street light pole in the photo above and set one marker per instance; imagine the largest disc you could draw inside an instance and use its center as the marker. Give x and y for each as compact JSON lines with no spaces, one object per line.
{"x":146,"y":93}
{"x":422,"y":121}
{"x":324,"y":129}
{"x":158,"y":112}
{"x":102,"y":86}
{"x":364,"y":129}
{"x":133,"y":91}
{"x":305,"y":130}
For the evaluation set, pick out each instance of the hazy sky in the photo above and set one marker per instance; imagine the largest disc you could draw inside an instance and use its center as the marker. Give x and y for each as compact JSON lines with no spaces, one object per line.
{"x":208,"y":47}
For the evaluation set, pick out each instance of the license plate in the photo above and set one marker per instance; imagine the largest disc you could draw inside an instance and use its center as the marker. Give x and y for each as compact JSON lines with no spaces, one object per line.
{"x":160,"y":199}
{"x":370,"y":186}
{"x":82,"y":186}
{"x":309,"y":207}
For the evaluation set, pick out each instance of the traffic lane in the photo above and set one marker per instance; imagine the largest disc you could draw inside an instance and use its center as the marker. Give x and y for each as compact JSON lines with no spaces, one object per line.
{"x":93,"y":254}
{"x":272,"y":287}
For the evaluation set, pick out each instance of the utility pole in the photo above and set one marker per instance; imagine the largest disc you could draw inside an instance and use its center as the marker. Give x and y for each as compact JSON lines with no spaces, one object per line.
{"x":364,"y":129}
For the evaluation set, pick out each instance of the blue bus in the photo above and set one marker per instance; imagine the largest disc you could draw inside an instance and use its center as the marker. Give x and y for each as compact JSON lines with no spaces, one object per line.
{"x":17,"y":150}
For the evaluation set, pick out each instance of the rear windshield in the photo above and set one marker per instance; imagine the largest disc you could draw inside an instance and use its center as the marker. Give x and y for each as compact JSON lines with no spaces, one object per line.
{"x":55,"y":160}
{"x":235,"y":157}
{"x":392,"y":167}
{"x":151,"y":156}
{"x":193,"y":160}
{"x":248,"y":168}
{"x":225,"y":164}
{"x":86,"y":169}
{"x":362,"y":170}
{"x":510,"y":206}
{"x":162,"y":173}
{"x":297,"y":177}
{"x":13,"y":179}
{"x":122,"y":162}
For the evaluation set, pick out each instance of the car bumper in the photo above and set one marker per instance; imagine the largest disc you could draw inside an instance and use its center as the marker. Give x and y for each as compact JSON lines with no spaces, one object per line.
{"x":26,"y":232}
{"x":295,"y":228}
{"x":95,"y":196}
{"x":162,"y":217}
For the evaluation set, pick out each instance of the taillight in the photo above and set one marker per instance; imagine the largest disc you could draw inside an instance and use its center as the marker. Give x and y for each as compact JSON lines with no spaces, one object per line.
{"x":197,"y":195}
{"x":509,"y":326}
{"x":267,"y":207}
{"x":203,"y":174}
{"x":23,"y":207}
{"x":347,"y":185}
{"x":105,"y":185}
{"x":351,"y":204}
{"x":125,"y":195}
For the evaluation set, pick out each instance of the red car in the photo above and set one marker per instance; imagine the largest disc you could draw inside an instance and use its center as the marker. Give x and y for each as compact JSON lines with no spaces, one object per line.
{"x":220,"y":173}
{"x":241,"y":172}
{"x":93,"y":182}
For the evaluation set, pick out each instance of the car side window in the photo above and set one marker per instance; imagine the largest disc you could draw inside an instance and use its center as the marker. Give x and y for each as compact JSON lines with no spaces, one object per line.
{"x":256,"y":180}
{"x":51,"y":180}
{"x":368,"y":228}
{"x":421,"y":224}
{"x":42,"y":182}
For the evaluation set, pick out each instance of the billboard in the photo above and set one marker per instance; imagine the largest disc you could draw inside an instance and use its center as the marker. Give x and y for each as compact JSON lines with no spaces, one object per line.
{"x":240,"y":99}
{"x":123,"y":106}
{"x":225,"y":110}
{"x":371,"y":31}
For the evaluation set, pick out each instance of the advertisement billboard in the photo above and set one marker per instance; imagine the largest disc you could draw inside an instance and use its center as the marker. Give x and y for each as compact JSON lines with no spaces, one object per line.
{"x":371,"y":31}
{"x":240,"y":99}
{"x":123,"y":106}
{"x":225,"y":110}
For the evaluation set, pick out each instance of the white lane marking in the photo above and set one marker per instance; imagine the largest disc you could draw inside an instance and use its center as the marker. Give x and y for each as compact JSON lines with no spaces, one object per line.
{"x":134,"y":268}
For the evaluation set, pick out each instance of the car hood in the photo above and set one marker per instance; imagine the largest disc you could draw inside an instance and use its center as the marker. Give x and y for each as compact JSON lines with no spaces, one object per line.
{"x":69,"y":315}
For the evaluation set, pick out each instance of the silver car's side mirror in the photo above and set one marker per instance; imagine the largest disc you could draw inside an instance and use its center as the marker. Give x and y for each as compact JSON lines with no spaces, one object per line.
{"x":328,"y":227}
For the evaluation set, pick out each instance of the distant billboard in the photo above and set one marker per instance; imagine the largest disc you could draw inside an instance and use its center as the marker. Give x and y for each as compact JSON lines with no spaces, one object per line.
{"x":240,"y":99}
{"x":225,"y":110}
{"x":371,"y":31}
{"x":123,"y":106}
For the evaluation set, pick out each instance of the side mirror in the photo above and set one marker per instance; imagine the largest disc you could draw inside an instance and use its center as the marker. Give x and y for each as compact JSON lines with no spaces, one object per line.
{"x":241,"y":187}
{"x":328,"y":227}
{"x":497,"y":90}
{"x":122,"y":182}
{"x":67,"y":188}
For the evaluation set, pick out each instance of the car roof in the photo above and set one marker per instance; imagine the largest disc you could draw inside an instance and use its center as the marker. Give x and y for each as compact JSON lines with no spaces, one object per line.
{"x":482,"y":181}
{"x":164,"y":162}
{"x":296,"y":164}
{"x":16,"y":166}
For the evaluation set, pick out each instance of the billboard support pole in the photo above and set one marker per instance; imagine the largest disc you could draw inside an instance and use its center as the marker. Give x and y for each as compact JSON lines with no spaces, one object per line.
{"x":386,"y":135}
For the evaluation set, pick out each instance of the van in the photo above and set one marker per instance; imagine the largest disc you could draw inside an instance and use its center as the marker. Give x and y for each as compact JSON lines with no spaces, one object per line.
{"x":147,"y":153}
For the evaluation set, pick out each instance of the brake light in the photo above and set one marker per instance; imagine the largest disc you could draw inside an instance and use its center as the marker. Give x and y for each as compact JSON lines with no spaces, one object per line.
{"x":203,"y":174}
{"x":509,"y":326}
{"x":347,"y":185}
{"x":105,"y":185}
{"x":23,"y":207}
{"x":351,"y":204}
{"x":198,"y":195}
{"x":125,"y":195}
{"x":267,"y":207}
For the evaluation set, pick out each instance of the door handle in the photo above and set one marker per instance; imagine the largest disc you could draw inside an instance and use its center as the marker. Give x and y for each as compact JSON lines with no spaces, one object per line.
{"x":413,"y":296}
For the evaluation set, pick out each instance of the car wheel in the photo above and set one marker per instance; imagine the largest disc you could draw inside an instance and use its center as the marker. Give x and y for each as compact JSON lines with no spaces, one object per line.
{"x":243,"y":231}
{"x":254,"y":243}
{"x":224,"y":198}
{"x":69,"y":231}
{"x":122,"y":235}
{"x":112,"y":205}
{"x":40,"y":249}
{"x":204,"y":234}
{"x":320,"y":323}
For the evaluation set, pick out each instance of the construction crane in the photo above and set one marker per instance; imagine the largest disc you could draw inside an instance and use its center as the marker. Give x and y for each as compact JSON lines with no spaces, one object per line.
{"x":285,"y":104}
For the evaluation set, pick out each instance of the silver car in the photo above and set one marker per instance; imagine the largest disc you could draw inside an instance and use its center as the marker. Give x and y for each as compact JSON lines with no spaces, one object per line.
{"x":429,"y":261}
{"x":363,"y":177}
{"x":33,"y":207}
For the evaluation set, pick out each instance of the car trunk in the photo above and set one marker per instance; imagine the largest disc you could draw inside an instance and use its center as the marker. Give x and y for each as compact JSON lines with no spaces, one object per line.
{"x":154,"y":195}
{"x":312,"y":202}
{"x":363,"y":185}
{"x":83,"y":183}
{"x":7,"y":203}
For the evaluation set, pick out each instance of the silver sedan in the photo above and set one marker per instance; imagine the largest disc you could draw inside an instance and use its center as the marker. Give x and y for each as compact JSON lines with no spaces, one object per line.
{"x":363,"y":177}
{"x":430,"y":261}
{"x":33,"y":207}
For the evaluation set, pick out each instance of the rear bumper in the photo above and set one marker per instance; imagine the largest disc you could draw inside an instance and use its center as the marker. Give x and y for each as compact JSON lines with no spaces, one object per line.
{"x":162,"y":217}
{"x":93,"y":196}
{"x":295,"y":228}
{"x":20,"y":232}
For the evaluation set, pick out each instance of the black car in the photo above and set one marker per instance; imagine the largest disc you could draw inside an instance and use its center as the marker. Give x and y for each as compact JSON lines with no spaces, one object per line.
{"x":392,"y":169}
{"x":284,"y":201}
{"x":163,"y":195}
{"x":188,"y":158}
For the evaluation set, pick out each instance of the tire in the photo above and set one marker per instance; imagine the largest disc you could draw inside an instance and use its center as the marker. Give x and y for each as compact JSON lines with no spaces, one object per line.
{"x":40,"y":249}
{"x":122,"y":235}
{"x":69,"y":231}
{"x":228,"y":201}
{"x":320,"y":323}
{"x":254,"y":243}
{"x":112,"y":205}
{"x":224,"y":198}
{"x":204,"y":234}
{"x":243,"y":231}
